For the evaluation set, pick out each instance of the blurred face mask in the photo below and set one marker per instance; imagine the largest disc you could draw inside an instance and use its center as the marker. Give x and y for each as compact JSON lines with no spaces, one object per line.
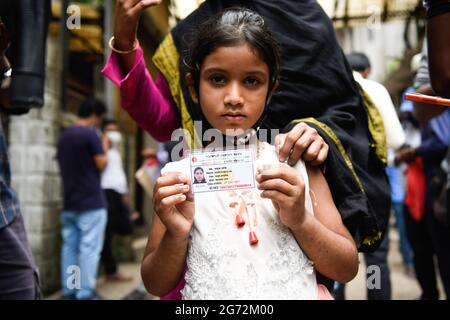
{"x":115,"y":137}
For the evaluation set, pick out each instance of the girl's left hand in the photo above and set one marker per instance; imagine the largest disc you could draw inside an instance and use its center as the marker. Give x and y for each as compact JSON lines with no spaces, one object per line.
{"x":285,"y":187}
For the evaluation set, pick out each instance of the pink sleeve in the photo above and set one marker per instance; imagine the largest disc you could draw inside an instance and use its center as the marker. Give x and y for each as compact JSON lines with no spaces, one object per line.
{"x":175,"y":294}
{"x":323,"y":293}
{"x":148,"y":104}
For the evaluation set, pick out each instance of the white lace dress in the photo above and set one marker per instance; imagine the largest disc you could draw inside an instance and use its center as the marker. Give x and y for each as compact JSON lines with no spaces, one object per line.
{"x":221,"y":262}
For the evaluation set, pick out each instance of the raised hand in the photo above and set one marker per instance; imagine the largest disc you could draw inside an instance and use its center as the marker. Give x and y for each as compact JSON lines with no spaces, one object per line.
{"x":172,"y":205}
{"x":127,"y":16}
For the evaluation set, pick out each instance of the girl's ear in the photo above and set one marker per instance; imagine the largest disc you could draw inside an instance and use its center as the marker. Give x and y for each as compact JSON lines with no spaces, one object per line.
{"x":272,"y":91}
{"x":191,"y":87}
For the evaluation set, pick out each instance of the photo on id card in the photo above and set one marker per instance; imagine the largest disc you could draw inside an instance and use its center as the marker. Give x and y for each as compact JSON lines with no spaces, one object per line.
{"x":222,"y":169}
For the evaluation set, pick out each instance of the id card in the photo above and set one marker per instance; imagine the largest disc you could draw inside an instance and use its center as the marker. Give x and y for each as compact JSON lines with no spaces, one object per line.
{"x":222,"y":170}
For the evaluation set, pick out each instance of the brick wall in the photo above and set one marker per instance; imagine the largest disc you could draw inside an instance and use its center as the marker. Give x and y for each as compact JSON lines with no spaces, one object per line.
{"x":35,"y":174}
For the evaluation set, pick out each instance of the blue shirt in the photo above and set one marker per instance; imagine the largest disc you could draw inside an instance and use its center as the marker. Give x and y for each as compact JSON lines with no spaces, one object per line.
{"x":77,"y":147}
{"x":9,"y":204}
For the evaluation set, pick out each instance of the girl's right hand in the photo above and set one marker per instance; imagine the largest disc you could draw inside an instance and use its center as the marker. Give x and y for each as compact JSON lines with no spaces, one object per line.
{"x":172,"y":205}
{"x":126,"y":19}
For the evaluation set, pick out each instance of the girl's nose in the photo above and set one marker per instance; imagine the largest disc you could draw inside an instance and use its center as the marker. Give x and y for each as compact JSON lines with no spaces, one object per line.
{"x":234,"y":97}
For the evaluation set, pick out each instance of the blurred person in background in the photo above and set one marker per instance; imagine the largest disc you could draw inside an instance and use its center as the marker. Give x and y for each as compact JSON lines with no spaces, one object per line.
{"x":114,"y":184}
{"x":427,"y":226}
{"x":395,"y":137}
{"x":81,"y":159}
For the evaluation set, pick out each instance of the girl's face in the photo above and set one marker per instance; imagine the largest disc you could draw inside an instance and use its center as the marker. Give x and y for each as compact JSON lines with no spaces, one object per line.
{"x":233,"y":88}
{"x":199,"y":175}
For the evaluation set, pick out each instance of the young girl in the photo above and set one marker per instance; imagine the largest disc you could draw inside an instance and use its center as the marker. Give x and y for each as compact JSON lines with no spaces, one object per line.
{"x":253,"y":244}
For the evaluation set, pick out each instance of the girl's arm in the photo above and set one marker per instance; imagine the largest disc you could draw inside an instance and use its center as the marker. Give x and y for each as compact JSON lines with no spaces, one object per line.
{"x":166,"y":250}
{"x":164,"y":259}
{"x":322,"y":236}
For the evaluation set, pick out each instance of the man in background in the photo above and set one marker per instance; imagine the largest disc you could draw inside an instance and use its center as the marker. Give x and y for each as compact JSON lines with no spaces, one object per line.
{"x":81,"y":159}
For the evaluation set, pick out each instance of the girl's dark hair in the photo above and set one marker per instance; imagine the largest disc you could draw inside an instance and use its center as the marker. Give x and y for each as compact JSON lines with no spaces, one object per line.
{"x":232,"y":27}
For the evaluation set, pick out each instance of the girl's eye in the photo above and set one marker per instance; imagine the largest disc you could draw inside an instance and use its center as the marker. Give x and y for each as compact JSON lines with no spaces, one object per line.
{"x":217,"y":79}
{"x":252,"y":81}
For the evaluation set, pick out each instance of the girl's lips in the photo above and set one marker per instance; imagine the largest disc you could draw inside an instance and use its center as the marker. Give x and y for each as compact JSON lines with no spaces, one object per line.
{"x":234,"y":118}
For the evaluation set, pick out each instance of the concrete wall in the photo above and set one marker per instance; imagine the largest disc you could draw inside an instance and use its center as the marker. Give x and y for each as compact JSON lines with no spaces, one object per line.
{"x":35,"y":173}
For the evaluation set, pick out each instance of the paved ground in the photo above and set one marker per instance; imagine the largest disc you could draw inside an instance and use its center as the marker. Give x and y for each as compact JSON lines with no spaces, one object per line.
{"x":403,"y":286}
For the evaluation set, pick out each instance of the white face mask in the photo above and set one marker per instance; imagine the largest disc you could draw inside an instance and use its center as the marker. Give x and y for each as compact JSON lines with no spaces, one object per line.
{"x":115,"y":137}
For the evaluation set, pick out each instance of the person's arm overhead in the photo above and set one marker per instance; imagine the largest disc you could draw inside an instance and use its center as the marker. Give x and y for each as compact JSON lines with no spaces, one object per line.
{"x":148,"y":104}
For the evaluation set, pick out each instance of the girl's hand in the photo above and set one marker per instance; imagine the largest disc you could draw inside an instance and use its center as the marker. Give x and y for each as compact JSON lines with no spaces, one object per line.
{"x":171,"y":204}
{"x":127,"y":16}
{"x":301,"y":142}
{"x":285,"y":187}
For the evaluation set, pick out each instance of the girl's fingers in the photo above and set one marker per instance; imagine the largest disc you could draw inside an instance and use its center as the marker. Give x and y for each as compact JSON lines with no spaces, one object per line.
{"x":167,"y":203}
{"x":277,"y":185}
{"x":283,"y":172}
{"x":171,"y":178}
{"x":274,"y":196}
{"x":168,"y":191}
